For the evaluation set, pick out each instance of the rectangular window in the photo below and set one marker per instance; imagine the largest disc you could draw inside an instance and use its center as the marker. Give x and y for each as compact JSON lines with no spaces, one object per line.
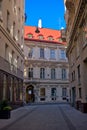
{"x":52,"y":54}
{"x":18,"y":37}
{"x":41,"y":52}
{"x":64,"y":93}
{"x":42,"y":73}
{"x":80,"y":93}
{"x":6,"y":51}
{"x":42,"y":94}
{"x":42,"y":91}
{"x":30,"y":73}
{"x":53,"y":74}
{"x":14,"y":31}
{"x":19,"y":14}
{"x":30,"y":53}
{"x":73,"y":75}
{"x":63,"y":74}
{"x":8,"y":21}
{"x":62,"y":54}
{"x":78,"y":72}
{"x":53,"y":93}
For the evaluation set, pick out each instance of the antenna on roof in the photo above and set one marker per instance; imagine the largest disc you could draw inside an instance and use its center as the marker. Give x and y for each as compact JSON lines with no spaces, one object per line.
{"x":40,"y":23}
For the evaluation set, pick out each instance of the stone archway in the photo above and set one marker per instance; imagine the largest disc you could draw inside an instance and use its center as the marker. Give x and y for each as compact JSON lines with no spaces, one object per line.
{"x":30,"y":97}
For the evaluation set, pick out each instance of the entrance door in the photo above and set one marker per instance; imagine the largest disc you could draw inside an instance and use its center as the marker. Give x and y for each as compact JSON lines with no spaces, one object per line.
{"x":30,"y":94}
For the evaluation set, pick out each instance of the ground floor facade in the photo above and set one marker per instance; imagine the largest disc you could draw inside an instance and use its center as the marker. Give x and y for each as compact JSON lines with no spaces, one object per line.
{"x":11,"y":88}
{"x":45,"y":92}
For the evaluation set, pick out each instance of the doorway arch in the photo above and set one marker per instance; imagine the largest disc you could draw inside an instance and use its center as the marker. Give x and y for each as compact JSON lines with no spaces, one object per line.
{"x":30,"y":97}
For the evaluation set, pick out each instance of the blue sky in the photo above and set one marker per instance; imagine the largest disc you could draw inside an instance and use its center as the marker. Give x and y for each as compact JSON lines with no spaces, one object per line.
{"x":50,"y":11}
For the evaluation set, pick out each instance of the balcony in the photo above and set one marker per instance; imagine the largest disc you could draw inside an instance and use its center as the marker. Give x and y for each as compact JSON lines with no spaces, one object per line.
{"x":10,"y":68}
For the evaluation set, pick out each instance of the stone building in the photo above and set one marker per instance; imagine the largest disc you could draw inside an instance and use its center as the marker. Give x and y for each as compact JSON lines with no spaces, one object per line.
{"x":76,"y":32}
{"x":11,"y":50}
{"x":46,"y":66}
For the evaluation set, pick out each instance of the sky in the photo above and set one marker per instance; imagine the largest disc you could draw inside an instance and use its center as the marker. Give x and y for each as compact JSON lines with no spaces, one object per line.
{"x":51,"y":12}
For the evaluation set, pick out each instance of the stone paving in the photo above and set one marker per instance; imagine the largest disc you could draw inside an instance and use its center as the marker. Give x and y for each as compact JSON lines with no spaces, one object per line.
{"x":45,"y":117}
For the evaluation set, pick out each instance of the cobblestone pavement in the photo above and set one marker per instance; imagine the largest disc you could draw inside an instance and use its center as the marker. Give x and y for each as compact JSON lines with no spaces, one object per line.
{"x":46,"y":117}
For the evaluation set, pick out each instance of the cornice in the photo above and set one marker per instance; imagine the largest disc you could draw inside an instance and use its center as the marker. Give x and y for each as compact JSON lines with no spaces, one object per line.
{"x":77,"y":22}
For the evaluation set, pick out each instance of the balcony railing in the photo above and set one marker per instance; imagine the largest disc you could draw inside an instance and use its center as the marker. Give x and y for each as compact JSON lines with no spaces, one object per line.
{"x":10,"y":68}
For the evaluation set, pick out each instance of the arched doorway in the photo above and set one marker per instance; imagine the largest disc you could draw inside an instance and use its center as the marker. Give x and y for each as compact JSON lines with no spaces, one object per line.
{"x":30,"y":97}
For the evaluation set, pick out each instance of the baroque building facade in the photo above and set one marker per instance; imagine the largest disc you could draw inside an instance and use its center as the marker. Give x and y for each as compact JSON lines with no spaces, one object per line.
{"x":76,"y":35}
{"x":45,"y":66}
{"x":11,"y":50}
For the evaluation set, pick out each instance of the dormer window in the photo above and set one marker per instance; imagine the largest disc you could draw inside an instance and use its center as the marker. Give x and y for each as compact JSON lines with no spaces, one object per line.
{"x":59,"y":40}
{"x":40,"y":37}
{"x":30,"y":35}
{"x":50,"y":38}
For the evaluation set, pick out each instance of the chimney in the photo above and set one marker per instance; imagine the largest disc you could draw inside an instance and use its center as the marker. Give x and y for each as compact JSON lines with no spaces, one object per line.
{"x":40,"y":23}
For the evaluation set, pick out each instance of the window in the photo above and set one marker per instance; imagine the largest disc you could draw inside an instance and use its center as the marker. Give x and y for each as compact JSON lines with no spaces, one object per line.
{"x":14,"y":30}
{"x":64,"y":93}
{"x":14,"y":6}
{"x":42,"y":73}
{"x":17,"y":61}
{"x":30,"y":73}
{"x":10,"y":57}
{"x":25,"y":72}
{"x":30,"y":53}
{"x":52,"y":73}
{"x":52,"y":54}
{"x":8,"y":21}
{"x":73,"y":75}
{"x":30,"y":35}
{"x":62,"y":54}
{"x":42,"y":91}
{"x":41,"y":52}
{"x":78,"y":72}
{"x":42,"y":94}
{"x":50,"y":38}
{"x":80,"y":93}
{"x":53,"y":93}
{"x":19,"y":36}
{"x":63,"y":74}
{"x":6,"y":52}
{"x":19,"y":14}
{"x":40,"y":37}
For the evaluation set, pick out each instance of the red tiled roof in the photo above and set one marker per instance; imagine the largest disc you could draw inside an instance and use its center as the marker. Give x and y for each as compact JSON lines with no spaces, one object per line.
{"x":45,"y":32}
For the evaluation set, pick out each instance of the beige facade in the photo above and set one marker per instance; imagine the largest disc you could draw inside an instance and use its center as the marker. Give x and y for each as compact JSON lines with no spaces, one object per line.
{"x":76,"y":17}
{"x":45,"y":75}
{"x":11,"y":49}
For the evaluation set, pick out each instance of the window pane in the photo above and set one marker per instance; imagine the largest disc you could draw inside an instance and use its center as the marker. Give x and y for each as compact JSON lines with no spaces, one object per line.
{"x":30,"y":54}
{"x":30,"y":74}
{"x":52,"y":73}
{"x":63,"y":74}
{"x":42,"y":91}
{"x":62,"y":54}
{"x":42,"y":73}
{"x":52,"y":54}
{"x":41,"y":53}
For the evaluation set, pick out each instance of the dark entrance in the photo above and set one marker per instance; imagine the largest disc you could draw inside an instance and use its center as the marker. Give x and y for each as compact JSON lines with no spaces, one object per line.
{"x":30,"y":97}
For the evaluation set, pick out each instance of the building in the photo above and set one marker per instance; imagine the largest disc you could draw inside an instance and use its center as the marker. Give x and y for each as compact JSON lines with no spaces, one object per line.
{"x":46,"y":66}
{"x":11,"y":50}
{"x":76,"y":32}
